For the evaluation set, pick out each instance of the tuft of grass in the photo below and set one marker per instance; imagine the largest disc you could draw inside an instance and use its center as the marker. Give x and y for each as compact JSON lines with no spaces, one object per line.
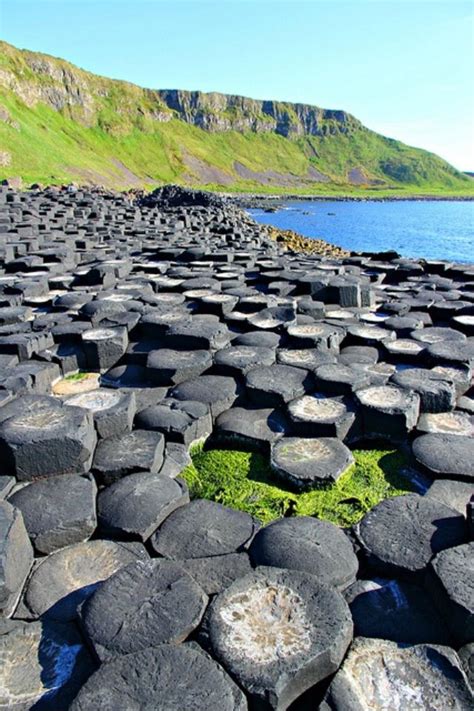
{"x":77,"y":376}
{"x":245,"y":481}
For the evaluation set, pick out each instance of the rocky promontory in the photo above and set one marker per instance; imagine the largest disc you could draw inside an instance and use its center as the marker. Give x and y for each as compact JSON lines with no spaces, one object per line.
{"x":134,"y":326}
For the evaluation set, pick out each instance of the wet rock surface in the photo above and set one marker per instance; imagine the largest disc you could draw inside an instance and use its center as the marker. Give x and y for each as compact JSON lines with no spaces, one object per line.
{"x":132,"y":327}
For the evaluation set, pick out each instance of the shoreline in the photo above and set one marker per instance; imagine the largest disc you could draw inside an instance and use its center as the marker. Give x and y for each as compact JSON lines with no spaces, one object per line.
{"x":251,"y":200}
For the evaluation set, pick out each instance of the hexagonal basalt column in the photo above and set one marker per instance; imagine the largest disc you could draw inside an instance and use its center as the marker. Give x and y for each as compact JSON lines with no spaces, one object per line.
{"x":40,"y":437}
{"x":278,"y":632}
{"x":152,"y":674}
{"x":388,"y":412}
{"x":305,"y":463}
{"x":104,"y":347}
{"x":319,"y":416}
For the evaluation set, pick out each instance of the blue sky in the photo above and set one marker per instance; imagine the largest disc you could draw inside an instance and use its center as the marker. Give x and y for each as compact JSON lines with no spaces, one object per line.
{"x":404,"y":68}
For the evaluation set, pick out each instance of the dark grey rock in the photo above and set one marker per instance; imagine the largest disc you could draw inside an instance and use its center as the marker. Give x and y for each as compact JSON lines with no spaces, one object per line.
{"x":45,"y":664}
{"x":171,"y":367}
{"x":387,"y":412}
{"x":238,"y":360}
{"x":202,"y":529}
{"x":450,"y":581}
{"x":16,"y":557}
{"x":466,"y":655}
{"x":250,"y":428}
{"x":217,"y":572}
{"x":63,"y":580}
{"x":319,"y":416}
{"x":445,"y":456}
{"x":104,"y":347}
{"x":42,"y":437}
{"x":58,"y":511}
{"x":136,"y":681}
{"x":395,"y":610}
{"x":139,"y":450}
{"x":113,"y":411}
{"x":378,"y":674}
{"x":182,"y":421}
{"x":136,"y":505}
{"x":145,"y":604}
{"x":309,"y":545}
{"x":219,"y":392}
{"x":437,"y":393}
{"x":274,"y":385}
{"x":416,"y":528}
{"x":452,"y":493}
{"x":278,"y":632}
{"x":305,"y":463}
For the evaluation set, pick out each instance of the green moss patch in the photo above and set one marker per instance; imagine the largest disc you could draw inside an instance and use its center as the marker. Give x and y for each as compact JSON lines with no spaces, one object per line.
{"x":245,"y":481}
{"x":76,"y":376}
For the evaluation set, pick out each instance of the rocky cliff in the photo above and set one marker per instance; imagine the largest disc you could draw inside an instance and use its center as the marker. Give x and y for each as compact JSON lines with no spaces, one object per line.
{"x":59,"y":122}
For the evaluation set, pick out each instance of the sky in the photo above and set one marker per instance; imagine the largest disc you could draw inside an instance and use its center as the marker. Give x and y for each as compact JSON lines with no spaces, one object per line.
{"x":403,"y":68}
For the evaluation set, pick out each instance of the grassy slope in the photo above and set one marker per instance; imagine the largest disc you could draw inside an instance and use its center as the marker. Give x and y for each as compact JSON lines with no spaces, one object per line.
{"x":244,"y":481}
{"x":50,"y":146}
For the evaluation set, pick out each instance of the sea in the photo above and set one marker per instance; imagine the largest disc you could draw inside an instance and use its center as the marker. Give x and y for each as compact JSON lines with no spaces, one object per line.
{"x":432,"y":229}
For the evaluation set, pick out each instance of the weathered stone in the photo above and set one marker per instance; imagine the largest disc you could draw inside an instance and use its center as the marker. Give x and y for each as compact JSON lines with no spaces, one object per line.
{"x":216,"y":573}
{"x":171,"y":367}
{"x":146,"y":676}
{"x":64,"y":579}
{"x":113,"y":412}
{"x":145,"y":604}
{"x":251,"y":428}
{"x":388,"y":412}
{"x":381,"y":675}
{"x":219,"y":392}
{"x":16,"y":557}
{"x":274,"y":385}
{"x":136,"y":451}
{"x":309,"y":545}
{"x":320,"y":416}
{"x":445,"y":456}
{"x":451,"y":583}
{"x":44,"y":665}
{"x":303,"y":463}
{"x":42,"y":437}
{"x":437,"y":393}
{"x":58,"y":511}
{"x":395,"y":610}
{"x":278,"y":632}
{"x":417,"y":528}
{"x":136,"y":505}
{"x":203,"y":528}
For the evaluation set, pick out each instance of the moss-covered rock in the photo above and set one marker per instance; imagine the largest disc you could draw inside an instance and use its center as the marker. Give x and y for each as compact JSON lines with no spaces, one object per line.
{"x":245,"y":481}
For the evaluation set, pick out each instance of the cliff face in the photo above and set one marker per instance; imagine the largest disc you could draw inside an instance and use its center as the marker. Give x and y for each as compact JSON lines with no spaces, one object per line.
{"x":224,"y":112}
{"x":60,"y":123}
{"x":37,"y":78}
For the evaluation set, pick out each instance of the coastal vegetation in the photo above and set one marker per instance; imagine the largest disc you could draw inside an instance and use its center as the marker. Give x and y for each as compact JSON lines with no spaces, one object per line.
{"x":245,"y":481}
{"x":59,"y":124}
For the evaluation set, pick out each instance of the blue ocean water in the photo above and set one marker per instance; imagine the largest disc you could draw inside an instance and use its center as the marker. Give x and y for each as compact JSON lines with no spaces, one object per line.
{"x":433,"y":229}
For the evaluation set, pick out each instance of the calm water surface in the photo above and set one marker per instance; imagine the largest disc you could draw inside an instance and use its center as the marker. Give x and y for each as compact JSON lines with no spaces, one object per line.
{"x":432,"y":229}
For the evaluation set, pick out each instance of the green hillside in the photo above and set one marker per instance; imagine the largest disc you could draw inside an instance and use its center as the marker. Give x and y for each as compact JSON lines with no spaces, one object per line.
{"x":59,"y":123}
